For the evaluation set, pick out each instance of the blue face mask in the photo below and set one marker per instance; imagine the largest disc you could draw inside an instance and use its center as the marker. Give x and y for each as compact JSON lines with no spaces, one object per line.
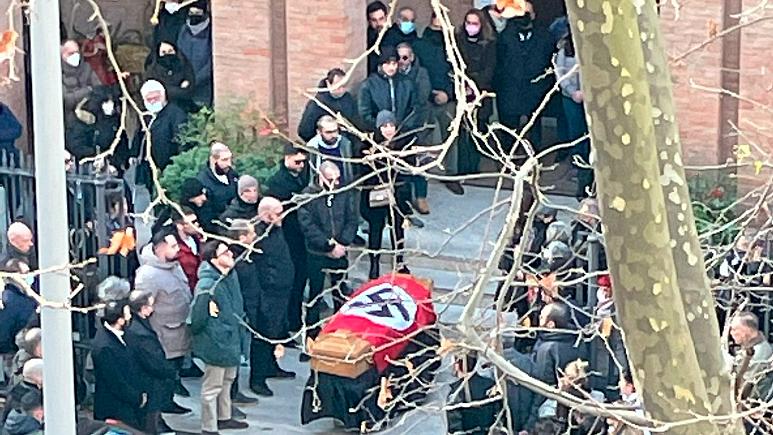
{"x":407,"y":27}
{"x":30,"y":280}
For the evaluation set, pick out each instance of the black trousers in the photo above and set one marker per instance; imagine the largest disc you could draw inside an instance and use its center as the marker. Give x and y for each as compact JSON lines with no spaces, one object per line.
{"x":294,"y":311}
{"x":320,"y":267}
{"x":262,"y":361}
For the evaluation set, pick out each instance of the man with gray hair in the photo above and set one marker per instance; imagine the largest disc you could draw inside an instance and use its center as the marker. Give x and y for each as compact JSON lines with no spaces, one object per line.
{"x":220,"y":181}
{"x":329,"y":224}
{"x":277,"y":275}
{"x":32,"y":380}
{"x":752,"y":360}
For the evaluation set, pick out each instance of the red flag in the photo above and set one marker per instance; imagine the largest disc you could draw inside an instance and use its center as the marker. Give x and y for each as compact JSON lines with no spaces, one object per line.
{"x":383,"y":312}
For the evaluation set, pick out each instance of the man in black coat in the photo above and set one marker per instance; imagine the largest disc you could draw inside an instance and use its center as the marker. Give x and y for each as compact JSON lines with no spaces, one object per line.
{"x":552,"y":351}
{"x":290,"y":180}
{"x":219,"y":180}
{"x":469,"y":389}
{"x":276,"y":271}
{"x":32,"y":380}
{"x":524,"y":53}
{"x":329,"y":224}
{"x":118,"y":394}
{"x":158,"y":374}
{"x":245,"y":205}
{"x":20,"y":245}
{"x":404,"y":29}
{"x":163,"y":120}
{"x":339,"y":100}
{"x":376,"y":13}
{"x":385,"y":89}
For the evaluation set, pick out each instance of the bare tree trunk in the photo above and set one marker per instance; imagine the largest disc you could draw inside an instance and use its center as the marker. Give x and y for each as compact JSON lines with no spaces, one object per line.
{"x":617,"y":101}
{"x":688,"y":257}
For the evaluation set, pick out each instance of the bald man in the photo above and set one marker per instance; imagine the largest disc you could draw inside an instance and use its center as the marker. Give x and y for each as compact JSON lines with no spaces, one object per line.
{"x":20,"y":244}
{"x":277,"y":272}
{"x":329,"y":224}
{"x":32,"y":381}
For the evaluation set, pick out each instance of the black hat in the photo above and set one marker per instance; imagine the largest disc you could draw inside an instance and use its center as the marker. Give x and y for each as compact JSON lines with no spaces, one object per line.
{"x":191,"y":188}
{"x":388,"y":54}
{"x":290,"y":149}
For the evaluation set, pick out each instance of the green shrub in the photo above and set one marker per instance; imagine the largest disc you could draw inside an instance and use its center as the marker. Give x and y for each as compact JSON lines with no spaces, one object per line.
{"x":712,"y":196}
{"x":236,"y":126}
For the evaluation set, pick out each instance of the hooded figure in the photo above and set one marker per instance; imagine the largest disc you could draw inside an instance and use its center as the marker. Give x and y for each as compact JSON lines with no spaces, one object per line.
{"x":195,"y":43}
{"x":97,"y":124}
{"x":171,"y":68}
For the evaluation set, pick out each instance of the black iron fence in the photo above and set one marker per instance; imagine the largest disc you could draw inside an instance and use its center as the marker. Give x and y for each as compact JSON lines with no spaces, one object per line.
{"x":96,"y":207}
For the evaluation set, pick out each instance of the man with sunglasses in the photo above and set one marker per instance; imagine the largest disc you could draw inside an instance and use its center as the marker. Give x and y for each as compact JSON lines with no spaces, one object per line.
{"x":215,"y":322}
{"x":290,"y":180}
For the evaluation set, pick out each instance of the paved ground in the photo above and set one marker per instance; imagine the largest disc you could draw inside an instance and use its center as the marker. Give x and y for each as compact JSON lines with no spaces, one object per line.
{"x":457,"y":237}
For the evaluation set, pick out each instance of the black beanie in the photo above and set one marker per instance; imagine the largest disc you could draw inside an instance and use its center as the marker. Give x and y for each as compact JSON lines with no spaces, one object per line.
{"x":191,"y":188}
{"x":388,"y":54}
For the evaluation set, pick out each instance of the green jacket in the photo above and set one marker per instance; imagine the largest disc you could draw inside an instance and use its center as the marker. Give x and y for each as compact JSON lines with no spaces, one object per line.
{"x":217,"y":339}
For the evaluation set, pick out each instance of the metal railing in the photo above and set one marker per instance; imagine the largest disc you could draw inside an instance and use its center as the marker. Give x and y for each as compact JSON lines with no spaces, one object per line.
{"x":96,"y":206}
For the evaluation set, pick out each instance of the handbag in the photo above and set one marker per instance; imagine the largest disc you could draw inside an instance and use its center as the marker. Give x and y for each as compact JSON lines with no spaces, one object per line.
{"x":380,"y":197}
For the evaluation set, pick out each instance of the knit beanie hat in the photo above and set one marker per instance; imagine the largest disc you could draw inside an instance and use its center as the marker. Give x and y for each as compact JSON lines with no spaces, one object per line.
{"x":245,"y":182}
{"x":191,"y":188}
{"x":385,"y":117}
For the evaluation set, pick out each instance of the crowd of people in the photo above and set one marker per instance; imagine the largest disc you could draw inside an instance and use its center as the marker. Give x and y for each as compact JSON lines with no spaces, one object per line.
{"x":257,"y":283}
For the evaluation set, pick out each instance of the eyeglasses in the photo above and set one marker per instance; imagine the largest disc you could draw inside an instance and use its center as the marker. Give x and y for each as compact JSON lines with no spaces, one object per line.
{"x":300,"y":161}
{"x":404,"y":57}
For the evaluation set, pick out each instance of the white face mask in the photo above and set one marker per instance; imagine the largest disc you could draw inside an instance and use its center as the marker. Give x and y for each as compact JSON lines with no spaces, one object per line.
{"x":154,"y":107}
{"x":171,"y":7}
{"x":73,"y":59}
{"x":108,"y":107}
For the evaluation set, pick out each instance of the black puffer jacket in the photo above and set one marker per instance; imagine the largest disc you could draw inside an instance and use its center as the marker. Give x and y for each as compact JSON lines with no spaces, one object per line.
{"x":376,"y":95}
{"x":249,"y":283}
{"x":219,"y":195}
{"x":277,"y":276}
{"x":238,"y":209}
{"x":330,"y":216}
{"x":282,"y":186}
{"x":480,"y":57}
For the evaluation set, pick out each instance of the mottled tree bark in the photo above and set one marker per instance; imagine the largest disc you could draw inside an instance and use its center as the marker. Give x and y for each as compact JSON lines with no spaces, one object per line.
{"x":686,"y":250}
{"x":638,"y":243}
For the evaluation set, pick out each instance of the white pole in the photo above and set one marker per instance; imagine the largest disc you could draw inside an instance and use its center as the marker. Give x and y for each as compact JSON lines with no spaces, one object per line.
{"x":48,"y":120}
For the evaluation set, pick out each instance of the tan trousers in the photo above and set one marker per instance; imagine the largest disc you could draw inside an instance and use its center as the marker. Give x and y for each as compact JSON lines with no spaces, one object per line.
{"x":216,"y":395}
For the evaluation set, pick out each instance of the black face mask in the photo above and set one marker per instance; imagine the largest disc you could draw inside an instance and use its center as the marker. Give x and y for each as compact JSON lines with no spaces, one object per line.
{"x":523,"y":22}
{"x":196,"y":19}
{"x":168,"y":61}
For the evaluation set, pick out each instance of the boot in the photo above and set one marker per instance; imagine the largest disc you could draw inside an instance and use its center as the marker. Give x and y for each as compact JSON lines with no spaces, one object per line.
{"x":375,"y":267}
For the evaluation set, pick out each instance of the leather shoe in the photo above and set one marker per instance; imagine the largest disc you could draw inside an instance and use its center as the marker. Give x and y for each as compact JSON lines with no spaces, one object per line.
{"x":237,"y":413}
{"x":304,"y":357}
{"x":175,"y":408}
{"x":416,"y":222}
{"x":232,"y":424}
{"x":191,"y":372}
{"x":421,"y":205}
{"x":206,"y":432}
{"x":261,"y":389}
{"x":242,"y":399}
{"x":180,"y":390}
{"x":283,"y":374}
{"x":455,"y":187}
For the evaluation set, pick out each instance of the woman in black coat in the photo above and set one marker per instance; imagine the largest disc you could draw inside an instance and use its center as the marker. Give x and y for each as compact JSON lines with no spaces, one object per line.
{"x":170,"y":67}
{"x":96,"y":131}
{"x":477,"y":45}
{"x":339,"y":101}
{"x":379,"y":178}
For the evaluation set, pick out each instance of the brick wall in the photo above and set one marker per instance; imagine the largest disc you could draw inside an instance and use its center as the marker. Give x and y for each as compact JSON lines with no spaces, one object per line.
{"x":318,"y":42}
{"x":242,"y":54}
{"x":697,"y":111}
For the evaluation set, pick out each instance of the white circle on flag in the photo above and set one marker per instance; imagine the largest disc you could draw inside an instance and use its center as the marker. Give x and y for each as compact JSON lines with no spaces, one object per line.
{"x":384,"y":304}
